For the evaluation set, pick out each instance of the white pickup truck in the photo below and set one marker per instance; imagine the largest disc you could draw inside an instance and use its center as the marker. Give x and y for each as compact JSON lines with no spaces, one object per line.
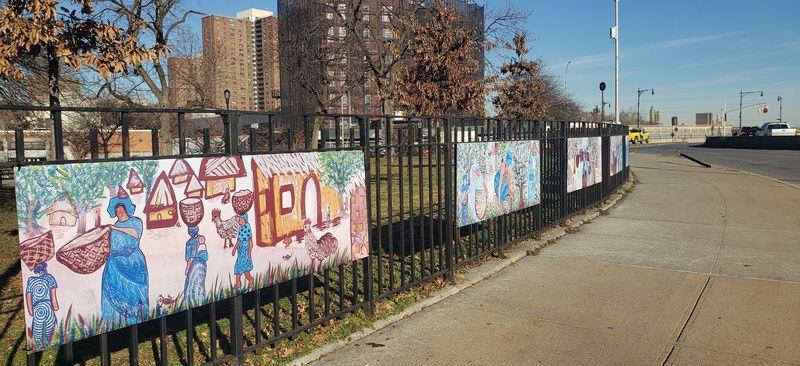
{"x":775,"y":129}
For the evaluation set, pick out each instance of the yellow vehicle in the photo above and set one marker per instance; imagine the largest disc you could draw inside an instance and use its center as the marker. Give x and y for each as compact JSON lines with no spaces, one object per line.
{"x":636,"y":135}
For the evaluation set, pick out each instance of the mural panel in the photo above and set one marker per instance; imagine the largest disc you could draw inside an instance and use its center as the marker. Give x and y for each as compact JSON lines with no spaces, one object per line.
{"x":107,"y":245}
{"x":495,"y":178}
{"x":584,"y":162}
{"x":619,"y":151}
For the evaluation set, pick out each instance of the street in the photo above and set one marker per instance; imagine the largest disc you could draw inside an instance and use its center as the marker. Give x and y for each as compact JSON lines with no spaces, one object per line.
{"x":779,"y":164}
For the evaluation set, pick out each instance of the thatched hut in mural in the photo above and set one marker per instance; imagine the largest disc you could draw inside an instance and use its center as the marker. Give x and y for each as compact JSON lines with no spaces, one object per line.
{"x":62,"y":213}
{"x":287,"y":191}
{"x":194,"y":189}
{"x":180,"y":171}
{"x":220,"y":173}
{"x":161,"y":208}
{"x":135,"y":184}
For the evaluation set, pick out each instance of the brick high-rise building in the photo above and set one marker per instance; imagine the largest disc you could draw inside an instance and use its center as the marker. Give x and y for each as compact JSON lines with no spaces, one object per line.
{"x":349,"y":82}
{"x":240,"y":55}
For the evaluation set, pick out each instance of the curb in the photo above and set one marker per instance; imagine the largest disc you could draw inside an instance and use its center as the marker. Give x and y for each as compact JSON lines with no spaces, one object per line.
{"x":481,"y":272}
{"x":763,"y":176}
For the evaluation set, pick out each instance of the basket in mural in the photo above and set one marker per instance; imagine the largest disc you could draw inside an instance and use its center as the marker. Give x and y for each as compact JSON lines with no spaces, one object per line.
{"x":242,"y":201}
{"x":37,"y":250}
{"x":88,"y":252}
{"x":191,"y":211}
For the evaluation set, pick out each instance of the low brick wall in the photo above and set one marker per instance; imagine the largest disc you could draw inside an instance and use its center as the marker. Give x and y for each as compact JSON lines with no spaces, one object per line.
{"x":754,"y":142}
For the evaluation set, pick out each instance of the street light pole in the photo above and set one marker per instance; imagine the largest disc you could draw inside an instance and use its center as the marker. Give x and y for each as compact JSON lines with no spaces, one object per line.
{"x":565,"y":76}
{"x":615,"y":37}
{"x":780,"y":110}
{"x":741,"y":96}
{"x":638,"y":100}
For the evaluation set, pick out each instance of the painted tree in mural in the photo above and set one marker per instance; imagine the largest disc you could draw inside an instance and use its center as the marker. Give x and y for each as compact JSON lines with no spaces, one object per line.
{"x":338,"y":168}
{"x":84,"y":184}
{"x":34,"y":196}
{"x":147,"y":170}
{"x":519,"y":168}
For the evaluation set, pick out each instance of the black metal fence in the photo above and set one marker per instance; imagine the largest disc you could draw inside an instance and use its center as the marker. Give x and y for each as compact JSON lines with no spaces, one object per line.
{"x":411,"y":196}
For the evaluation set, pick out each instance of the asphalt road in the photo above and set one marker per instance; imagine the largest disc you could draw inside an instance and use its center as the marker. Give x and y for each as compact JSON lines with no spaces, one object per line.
{"x":778,"y":164}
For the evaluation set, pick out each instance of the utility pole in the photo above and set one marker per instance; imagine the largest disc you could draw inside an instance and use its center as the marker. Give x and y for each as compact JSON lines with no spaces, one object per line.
{"x":615,"y":37}
{"x":780,"y":109}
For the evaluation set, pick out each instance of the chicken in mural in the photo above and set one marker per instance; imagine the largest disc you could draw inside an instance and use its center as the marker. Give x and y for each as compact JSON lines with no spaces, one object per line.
{"x":138,"y":240}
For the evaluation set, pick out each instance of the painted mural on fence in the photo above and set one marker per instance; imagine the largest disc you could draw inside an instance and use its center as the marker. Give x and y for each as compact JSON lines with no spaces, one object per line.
{"x":618,"y":148}
{"x":106,"y":245}
{"x":584,"y":162}
{"x":495,"y":178}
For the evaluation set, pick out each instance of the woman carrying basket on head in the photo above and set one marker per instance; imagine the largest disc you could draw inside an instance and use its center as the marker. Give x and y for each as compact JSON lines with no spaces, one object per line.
{"x":125,"y":297}
{"x":42,"y":304}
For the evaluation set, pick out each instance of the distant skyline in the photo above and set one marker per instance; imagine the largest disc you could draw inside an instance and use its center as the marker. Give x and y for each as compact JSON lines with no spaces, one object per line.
{"x":696,"y":55}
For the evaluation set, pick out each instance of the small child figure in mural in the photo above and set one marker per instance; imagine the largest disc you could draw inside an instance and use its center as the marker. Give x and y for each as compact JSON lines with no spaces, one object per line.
{"x":42,"y":304}
{"x":125,"y":297}
{"x":194,"y":288}
{"x":243,"y":252}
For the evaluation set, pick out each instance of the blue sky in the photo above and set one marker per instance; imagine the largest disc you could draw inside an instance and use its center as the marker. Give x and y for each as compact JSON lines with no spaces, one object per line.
{"x":695,"y":54}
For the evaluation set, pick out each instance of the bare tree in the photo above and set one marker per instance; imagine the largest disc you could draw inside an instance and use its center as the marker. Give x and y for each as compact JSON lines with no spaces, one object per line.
{"x":525,"y":91}
{"x":317,"y":64}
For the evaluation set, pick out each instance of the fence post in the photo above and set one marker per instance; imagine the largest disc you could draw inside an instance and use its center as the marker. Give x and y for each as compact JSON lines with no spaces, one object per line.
{"x":368,"y":283}
{"x":94,"y":149}
{"x":206,"y":141}
{"x":126,"y":148}
{"x":237,"y":334}
{"x":154,"y":140}
{"x":448,"y":198}
{"x":181,"y":134}
{"x":19,"y":144}
{"x":58,"y":134}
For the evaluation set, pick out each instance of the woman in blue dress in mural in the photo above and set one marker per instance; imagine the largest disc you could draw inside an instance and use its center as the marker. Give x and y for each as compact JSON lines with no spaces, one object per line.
{"x":42,"y":304}
{"x":125,"y":297}
{"x":465,"y":200}
{"x":243,"y":252}
{"x":194,"y":288}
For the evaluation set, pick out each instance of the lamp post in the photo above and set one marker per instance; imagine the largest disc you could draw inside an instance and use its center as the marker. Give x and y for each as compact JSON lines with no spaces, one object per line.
{"x":780,"y":109}
{"x":565,"y":75}
{"x":615,"y":37}
{"x":741,"y":96}
{"x":227,"y":94}
{"x":639,"y":93}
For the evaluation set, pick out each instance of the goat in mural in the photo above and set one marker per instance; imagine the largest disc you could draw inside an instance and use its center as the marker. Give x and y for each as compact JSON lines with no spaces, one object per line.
{"x":125,"y":296}
{"x":227,"y":229}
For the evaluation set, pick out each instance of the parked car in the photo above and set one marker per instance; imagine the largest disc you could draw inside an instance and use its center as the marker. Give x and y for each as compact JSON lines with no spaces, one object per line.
{"x":636,"y":135}
{"x":748,"y":131}
{"x":775,"y":129}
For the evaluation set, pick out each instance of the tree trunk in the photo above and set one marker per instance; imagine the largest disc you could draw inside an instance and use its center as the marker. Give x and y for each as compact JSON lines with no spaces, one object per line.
{"x":81,"y":222}
{"x":29,"y":220}
{"x":53,"y":76}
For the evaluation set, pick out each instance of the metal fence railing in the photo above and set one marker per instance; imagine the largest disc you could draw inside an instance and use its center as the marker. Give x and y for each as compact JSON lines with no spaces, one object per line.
{"x":411,"y":185}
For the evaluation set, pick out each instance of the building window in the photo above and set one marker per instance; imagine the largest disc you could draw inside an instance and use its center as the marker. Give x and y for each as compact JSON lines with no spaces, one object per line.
{"x":365,"y":15}
{"x":342,"y":32}
{"x":387,"y":33}
{"x":367,"y":99}
{"x":366,"y":32}
{"x":329,"y":16}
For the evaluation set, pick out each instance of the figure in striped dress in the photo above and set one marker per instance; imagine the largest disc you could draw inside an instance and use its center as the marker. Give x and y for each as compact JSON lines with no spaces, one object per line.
{"x":42,"y":303}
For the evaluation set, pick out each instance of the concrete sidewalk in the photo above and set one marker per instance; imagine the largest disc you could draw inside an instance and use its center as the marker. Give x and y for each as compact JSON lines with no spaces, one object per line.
{"x":696,"y":266}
